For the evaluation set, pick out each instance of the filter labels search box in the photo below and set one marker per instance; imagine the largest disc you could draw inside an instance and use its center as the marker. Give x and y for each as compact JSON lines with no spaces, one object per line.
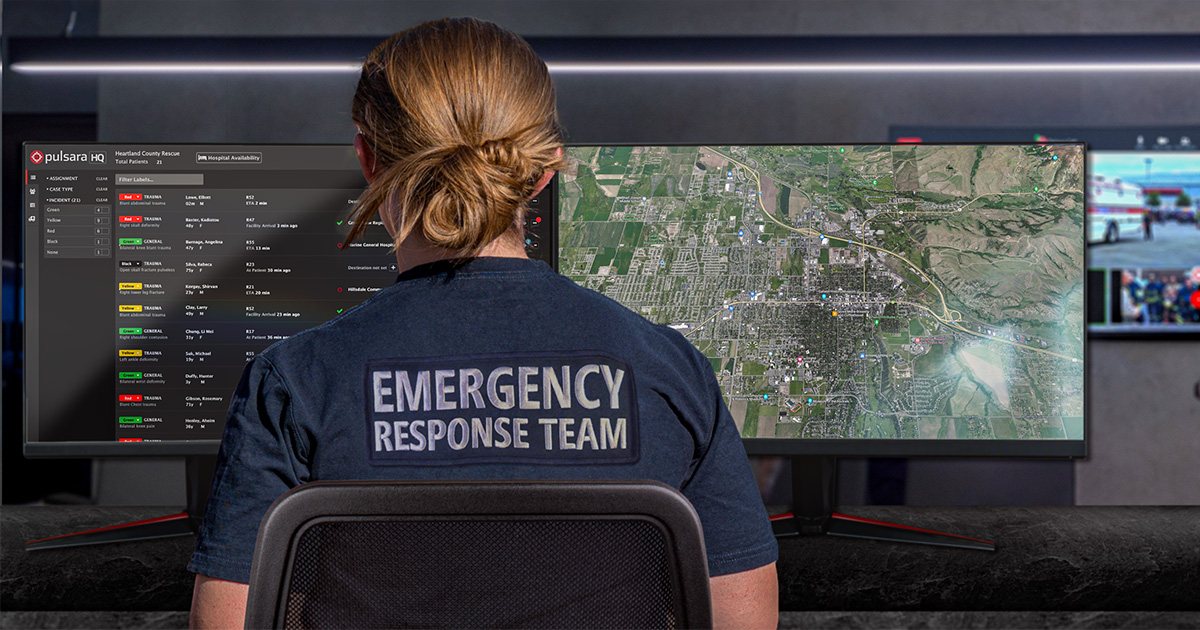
{"x":161,"y":179}
{"x":236,"y":157}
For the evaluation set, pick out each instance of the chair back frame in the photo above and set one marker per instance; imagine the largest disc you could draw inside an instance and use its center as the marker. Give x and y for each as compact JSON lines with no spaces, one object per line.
{"x":305,"y":506}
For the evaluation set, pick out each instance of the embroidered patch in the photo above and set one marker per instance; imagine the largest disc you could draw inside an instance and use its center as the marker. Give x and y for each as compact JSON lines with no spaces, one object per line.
{"x":533,"y":408}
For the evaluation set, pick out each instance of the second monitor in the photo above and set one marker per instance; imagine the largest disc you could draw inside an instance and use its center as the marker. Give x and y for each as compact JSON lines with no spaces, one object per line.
{"x":854,"y":299}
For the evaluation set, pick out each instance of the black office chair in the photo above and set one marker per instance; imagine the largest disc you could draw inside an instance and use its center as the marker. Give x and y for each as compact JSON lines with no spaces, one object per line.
{"x":480,"y":554}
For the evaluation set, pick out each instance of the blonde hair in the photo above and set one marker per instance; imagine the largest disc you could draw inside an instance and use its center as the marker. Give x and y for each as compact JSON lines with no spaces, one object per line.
{"x":461,"y":117}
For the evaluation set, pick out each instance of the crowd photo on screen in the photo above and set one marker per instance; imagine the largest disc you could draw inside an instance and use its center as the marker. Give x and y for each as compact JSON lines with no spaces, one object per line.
{"x":1160,"y":296}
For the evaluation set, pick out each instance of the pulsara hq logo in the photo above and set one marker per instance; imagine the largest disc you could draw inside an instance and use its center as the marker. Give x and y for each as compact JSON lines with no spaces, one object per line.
{"x":95,"y":157}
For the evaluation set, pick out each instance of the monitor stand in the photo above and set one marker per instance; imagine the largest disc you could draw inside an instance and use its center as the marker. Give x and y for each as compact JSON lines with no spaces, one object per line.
{"x":814,"y":496}
{"x":199,"y":478}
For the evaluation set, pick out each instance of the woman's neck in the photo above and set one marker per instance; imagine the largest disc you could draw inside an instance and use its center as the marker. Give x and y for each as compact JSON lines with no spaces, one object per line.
{"x":415,"y":251}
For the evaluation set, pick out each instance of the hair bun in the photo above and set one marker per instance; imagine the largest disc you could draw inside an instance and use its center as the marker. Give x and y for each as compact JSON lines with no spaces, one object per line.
{"x":461,"y":119}
{"x":476,"y":192}
{"x":504,"y":154}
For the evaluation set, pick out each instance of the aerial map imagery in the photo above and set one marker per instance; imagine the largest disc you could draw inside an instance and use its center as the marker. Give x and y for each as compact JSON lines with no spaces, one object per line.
{"x":929,"y":292}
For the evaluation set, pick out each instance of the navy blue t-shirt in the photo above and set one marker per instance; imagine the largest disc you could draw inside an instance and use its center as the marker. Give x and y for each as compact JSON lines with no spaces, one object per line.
{"x":495,"y":369}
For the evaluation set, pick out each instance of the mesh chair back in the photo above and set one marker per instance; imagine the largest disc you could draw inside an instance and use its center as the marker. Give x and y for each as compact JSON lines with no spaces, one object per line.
{"x":480,"y":555}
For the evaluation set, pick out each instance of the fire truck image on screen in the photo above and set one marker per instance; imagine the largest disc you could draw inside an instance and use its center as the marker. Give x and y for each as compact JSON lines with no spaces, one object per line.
{"x":1114,"y":210}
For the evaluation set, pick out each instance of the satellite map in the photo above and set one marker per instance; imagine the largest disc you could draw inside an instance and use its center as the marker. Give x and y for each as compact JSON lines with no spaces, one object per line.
{"x":882,"y":292}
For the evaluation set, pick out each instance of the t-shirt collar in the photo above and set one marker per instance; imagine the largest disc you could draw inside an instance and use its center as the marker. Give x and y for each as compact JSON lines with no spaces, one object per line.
{"x":482,"y":264}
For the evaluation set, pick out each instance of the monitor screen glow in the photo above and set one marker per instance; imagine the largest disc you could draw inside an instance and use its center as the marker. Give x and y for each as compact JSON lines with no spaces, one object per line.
{"x":155,"y":272}
{"x":890,"y":299}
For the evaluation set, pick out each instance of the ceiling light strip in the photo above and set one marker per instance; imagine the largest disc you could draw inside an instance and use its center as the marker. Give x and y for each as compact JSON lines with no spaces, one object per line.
{"x":168,"y":67}
{"x":867,"y":68}
{"x":569,"y":67}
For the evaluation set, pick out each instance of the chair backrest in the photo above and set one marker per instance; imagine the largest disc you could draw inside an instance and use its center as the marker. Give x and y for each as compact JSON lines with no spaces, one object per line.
{"x":480,"y":554}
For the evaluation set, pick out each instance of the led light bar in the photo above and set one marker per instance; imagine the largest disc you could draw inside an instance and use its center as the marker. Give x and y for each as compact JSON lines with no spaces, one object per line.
{"x":566,"y":68}
{"x":864,"y":68}
{"x":184,"y":67}
{"x":1075,"y":54}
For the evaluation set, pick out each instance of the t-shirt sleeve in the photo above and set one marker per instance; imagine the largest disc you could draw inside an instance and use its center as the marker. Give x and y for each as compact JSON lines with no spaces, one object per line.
{"x":737,"y":532}
{"x":257,"y":463}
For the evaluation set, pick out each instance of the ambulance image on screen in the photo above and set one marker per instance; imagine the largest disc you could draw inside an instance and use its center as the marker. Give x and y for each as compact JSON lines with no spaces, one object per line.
{"x":1114,"y":210}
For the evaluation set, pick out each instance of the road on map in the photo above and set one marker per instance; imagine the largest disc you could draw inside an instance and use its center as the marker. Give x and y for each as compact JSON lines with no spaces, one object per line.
{"x":1175,"y":245}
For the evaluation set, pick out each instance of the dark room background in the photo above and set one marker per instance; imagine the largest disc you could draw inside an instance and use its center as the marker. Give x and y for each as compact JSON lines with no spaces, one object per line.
{"x":1144,"y":430}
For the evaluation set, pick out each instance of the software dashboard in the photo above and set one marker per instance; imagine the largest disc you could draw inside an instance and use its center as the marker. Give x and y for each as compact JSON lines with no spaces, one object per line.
{"x":154,"y":272}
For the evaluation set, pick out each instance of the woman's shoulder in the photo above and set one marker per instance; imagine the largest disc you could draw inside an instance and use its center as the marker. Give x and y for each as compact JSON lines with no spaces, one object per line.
{"x":347,"y":324}
{"x":668,"y":341}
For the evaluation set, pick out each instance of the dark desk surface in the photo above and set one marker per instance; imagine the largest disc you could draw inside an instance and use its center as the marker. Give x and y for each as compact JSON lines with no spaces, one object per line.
{"x":1048,"y":559}
{"x":148,"y":575}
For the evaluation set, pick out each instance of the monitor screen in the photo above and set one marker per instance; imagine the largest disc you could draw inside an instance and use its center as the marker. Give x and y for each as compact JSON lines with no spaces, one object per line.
{"x":1143,"y":260}
{"x":854,"y":300}
{"x":1144,"y":240}
{"x":154,"y":272}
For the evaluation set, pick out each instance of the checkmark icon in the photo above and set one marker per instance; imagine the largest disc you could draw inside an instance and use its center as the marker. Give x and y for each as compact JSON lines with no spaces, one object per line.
{"x":340,"y":310}
{"x":339,"y":222}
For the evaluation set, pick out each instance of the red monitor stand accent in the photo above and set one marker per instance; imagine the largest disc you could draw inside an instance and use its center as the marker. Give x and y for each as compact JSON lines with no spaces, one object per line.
{"x":814,"y":496}
{"x":199,"y":478}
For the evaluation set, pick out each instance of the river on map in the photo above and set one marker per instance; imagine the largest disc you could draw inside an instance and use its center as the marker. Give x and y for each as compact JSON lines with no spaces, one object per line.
{"x":988,"y":368}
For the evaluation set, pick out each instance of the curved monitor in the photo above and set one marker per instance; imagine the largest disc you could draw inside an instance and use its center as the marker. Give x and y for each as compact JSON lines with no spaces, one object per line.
{"x":854,"y":300}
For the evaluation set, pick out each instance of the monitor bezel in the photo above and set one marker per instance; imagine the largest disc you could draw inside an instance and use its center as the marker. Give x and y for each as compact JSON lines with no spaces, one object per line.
{"x":916,"y":447}
{"x":57,"y":450}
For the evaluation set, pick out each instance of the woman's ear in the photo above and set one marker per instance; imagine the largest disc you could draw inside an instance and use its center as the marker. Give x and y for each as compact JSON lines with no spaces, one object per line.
{"x":366,"y":157}
{"x":546,"y":177}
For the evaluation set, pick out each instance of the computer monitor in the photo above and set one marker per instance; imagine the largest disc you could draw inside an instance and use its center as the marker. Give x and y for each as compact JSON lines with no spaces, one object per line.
{"x":154,"y":272}
{"x":854,"y":300}
{"x":1144,"y":241}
